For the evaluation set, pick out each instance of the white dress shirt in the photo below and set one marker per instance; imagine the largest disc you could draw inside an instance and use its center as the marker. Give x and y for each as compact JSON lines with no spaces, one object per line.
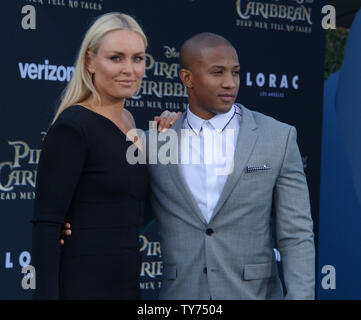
{"x":207,"y":151}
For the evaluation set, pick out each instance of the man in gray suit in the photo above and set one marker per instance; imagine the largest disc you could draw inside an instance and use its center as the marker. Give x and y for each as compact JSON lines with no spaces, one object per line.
{"x":215,"y":229}
{"x":215,"y":223}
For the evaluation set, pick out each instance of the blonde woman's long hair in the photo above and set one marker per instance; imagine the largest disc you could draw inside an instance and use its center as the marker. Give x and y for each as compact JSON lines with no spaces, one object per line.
{"x":81,"y":86}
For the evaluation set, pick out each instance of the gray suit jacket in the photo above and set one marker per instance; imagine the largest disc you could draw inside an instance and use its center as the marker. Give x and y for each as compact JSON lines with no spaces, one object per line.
{"x":232,"y":257}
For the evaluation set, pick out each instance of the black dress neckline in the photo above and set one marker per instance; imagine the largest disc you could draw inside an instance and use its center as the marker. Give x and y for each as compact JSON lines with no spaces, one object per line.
{"x":104,"y":118}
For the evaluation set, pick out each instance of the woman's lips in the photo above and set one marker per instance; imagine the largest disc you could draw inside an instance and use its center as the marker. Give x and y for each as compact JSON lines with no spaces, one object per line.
{"x":126,"y":82}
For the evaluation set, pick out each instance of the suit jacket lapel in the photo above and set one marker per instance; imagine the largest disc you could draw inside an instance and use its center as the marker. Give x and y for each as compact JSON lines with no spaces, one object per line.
{"x":177,"y":177}
{"x":246,"y":141}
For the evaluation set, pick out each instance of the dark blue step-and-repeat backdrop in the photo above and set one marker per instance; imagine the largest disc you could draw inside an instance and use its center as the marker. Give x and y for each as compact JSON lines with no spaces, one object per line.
{"x":281,"y":50}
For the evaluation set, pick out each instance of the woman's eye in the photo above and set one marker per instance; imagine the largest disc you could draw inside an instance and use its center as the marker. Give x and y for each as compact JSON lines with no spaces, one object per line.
{"x":139,"y":59}
{"x":115,"y":58}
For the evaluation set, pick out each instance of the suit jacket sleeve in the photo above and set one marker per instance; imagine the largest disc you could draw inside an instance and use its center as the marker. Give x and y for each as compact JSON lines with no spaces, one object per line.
{"x":59,"y":169}
{"x":294,"y":226}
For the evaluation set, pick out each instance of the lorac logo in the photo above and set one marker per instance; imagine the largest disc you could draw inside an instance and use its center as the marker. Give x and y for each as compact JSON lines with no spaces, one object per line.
{"x":275,"y":85}
{"x":20,"y":172}
{"x":276,"y":15}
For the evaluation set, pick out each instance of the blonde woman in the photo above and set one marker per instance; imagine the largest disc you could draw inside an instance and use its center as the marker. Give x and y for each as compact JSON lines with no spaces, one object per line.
{"x":84,"y":178}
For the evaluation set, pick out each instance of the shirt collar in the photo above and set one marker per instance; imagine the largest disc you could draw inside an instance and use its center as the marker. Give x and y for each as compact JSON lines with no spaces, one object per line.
{"x":219,"y":121}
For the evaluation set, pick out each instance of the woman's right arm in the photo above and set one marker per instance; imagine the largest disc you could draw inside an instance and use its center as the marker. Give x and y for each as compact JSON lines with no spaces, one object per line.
{"x":60,"y":166}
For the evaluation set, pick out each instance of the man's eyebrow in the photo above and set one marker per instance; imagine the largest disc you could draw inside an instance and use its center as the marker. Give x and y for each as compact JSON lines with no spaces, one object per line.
{"x":217,"y":67}
{"x":222,"y":67}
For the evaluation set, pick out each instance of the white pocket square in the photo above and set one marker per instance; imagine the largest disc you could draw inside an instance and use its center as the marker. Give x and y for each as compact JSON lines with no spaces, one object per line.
{"x":257,"y":168}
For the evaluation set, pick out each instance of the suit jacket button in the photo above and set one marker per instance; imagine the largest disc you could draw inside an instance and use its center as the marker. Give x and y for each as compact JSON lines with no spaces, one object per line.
{"x":209,"y":231}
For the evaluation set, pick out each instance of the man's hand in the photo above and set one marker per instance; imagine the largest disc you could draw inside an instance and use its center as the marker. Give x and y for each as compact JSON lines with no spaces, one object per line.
{"x":65,"y":231}
{"x":166,"y":120}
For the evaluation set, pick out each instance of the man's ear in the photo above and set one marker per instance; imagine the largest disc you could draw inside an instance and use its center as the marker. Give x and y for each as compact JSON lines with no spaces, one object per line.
{"x":89,"y":62}
{"x":186,"y":77}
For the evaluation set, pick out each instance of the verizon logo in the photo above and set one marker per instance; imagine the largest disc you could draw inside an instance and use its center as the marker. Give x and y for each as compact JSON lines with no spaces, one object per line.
{"x":46,"y":71}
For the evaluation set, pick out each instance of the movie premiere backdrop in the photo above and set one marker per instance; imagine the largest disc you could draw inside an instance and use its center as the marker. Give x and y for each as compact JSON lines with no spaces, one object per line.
{"x":280,"y":44}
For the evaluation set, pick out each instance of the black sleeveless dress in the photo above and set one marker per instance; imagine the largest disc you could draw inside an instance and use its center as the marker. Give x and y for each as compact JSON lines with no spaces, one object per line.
{"x":83,"y":178}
